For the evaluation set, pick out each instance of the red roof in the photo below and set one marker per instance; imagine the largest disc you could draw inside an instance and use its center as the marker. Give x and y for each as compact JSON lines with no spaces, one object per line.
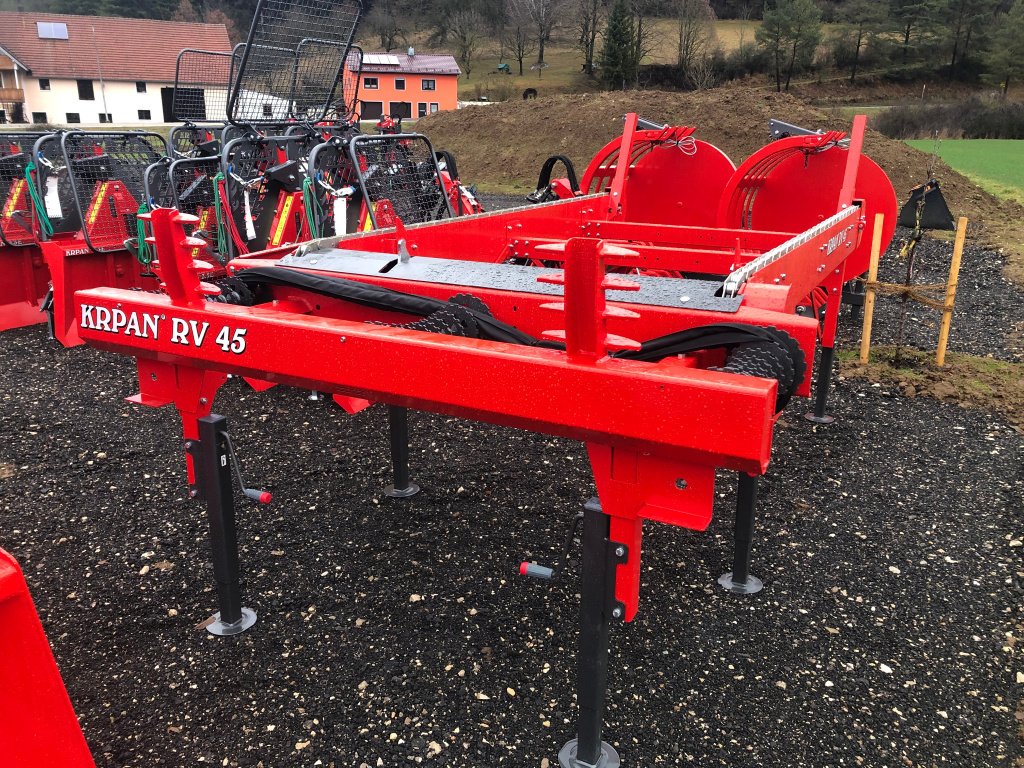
{"x":418,"y":64}
{"x":119,"y":49}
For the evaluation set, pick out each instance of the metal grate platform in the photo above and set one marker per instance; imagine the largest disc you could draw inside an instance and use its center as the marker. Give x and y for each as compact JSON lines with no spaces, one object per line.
{"x":292,"y":62}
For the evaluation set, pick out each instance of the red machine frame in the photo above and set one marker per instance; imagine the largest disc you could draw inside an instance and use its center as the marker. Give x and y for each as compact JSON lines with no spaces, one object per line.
{"x":655,"y":431}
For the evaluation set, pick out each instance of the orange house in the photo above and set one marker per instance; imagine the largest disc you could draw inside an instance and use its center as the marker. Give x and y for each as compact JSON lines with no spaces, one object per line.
{"x":408,"y":85}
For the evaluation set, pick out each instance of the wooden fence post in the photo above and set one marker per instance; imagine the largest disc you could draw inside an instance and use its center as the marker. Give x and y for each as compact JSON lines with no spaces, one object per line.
{"x":869,"y":292}
{"x":954,"y":274}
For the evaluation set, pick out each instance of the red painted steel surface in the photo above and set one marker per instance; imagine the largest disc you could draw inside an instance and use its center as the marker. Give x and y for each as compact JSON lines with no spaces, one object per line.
{"x":38,"y":726}
{"x":793,"y":183}
{"x":24,"y":281}
{"x":74,"y":267}
{"x":672,"y":178}
{"x":655,"y":432}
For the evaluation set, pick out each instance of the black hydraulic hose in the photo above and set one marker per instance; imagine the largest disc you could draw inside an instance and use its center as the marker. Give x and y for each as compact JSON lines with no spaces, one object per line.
{"x":752,"y":350}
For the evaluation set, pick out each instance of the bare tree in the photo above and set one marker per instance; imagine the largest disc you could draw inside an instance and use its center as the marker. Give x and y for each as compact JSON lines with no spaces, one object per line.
{"x":518,"y":35}
{"x":543,"y":17}
{"x":588,"y":23}
{"x":383,"y":22}
{"x":644,"y":12}
{"x":466,"y":31}
{"x":695,"y":19}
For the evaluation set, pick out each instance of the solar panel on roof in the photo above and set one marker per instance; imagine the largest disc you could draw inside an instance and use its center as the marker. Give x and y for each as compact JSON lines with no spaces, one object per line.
{"x":381,"y":59}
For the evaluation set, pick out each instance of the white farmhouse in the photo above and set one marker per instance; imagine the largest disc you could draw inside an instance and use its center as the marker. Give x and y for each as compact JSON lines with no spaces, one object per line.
{"x":96,"y":70}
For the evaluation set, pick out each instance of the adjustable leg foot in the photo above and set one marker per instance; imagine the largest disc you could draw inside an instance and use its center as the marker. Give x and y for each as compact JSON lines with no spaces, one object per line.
{"x":598,"y":608}
{"x":567,"y":758}
{"x":224,"y":629}
{"x":398,"y":430}
{"x":822,"y":387}
{"x":739,"y":581}
{"x":214,"y":474}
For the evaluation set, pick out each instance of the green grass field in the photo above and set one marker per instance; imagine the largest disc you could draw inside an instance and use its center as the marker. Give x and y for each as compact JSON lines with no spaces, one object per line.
{"x":996,"y":165}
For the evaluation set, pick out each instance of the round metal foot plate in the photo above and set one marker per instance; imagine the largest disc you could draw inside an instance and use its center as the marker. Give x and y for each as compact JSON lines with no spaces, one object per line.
{"x":609,"y":758}
{"x":221,"y":629}
{"x":751,"y":586}
{"x":819,"y":419}
{"x":402,"y":493}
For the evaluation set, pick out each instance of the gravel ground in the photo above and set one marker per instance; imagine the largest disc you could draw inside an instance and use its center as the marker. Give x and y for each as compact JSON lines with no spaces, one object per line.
{"x":399,"y":631}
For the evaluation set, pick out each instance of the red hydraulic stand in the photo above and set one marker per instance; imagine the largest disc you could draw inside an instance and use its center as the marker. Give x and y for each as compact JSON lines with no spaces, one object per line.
{"x":38,"y":727}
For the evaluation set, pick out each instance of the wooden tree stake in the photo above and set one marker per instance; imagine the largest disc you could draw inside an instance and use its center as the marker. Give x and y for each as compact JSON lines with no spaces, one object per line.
{"x":954,"y":274}
{"x":869,"y":295}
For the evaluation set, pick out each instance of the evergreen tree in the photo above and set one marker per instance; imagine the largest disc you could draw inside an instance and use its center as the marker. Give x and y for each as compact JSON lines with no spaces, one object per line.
{"x":1005,"y":60}
{"x":618,"y":59}
{"x":790,"y":33}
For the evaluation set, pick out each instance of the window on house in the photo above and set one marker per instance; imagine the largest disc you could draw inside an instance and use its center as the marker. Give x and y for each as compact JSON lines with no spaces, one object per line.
{"x":140,"y":87}
{"x":400,"y":84}
{"x":73,"y":117}
{"x":85,"y":91}
{"x":429,"y":85}
{"x":38,"y":117}
{"x":421,"y":109}
{"x":52,"y":30}
{"x":44,"y":84}
{"x":3,"y":117}
{"x":145,"y":114}
{"x":105,"y":117}
{"x":268,"y":111}
{"x":370,"y":83}
{"x":433,"y":108}
{"x":402,"y":109}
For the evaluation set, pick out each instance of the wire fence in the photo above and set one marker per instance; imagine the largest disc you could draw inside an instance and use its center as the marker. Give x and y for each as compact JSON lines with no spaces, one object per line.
{"x":293,"y":60}
{"x":107,"y":172}
{"x":403,"y":170}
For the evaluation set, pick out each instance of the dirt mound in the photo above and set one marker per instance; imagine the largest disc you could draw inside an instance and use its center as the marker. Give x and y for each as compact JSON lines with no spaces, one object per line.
{"x":501,"y":147}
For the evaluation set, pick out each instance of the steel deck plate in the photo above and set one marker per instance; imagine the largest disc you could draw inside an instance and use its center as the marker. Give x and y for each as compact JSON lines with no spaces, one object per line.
{"x":654,"y":291}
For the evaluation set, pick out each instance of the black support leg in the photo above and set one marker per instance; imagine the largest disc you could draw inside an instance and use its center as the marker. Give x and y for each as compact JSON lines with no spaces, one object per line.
{"x":214,"y":470}
{"x":598,"y":608}
{"x":822,"y":387}
{"x":398,"y":429}
{"x":739,"y":580}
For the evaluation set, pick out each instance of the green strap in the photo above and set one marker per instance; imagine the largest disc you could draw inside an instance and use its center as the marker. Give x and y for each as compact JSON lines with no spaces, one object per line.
{"x":314,"y":213}
{"x":142,"y":250}
{"x":222,"y":233}
{"x":37,"y":201}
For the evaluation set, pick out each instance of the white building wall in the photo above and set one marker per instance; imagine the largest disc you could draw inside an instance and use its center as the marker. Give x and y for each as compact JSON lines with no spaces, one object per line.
{"x":121,"y":99}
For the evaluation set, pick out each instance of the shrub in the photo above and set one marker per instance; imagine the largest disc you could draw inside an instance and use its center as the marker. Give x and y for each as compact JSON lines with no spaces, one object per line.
{"x":973,"y":118}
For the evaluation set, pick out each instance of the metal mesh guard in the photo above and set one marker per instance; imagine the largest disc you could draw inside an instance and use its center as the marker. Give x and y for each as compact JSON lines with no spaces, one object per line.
{"x":402,"y":169}
{"x":292,"y":62}
{"x":15,"y":200}
{"x":192,"y":184}
{"x":331,"y":173}
{"x":54,"y":185}
{"x":202,"y":80}
{"x":107,"y":172}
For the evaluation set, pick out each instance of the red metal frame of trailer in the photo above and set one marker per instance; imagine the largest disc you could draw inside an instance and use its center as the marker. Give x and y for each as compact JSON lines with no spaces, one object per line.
{"x":571,"y":271}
